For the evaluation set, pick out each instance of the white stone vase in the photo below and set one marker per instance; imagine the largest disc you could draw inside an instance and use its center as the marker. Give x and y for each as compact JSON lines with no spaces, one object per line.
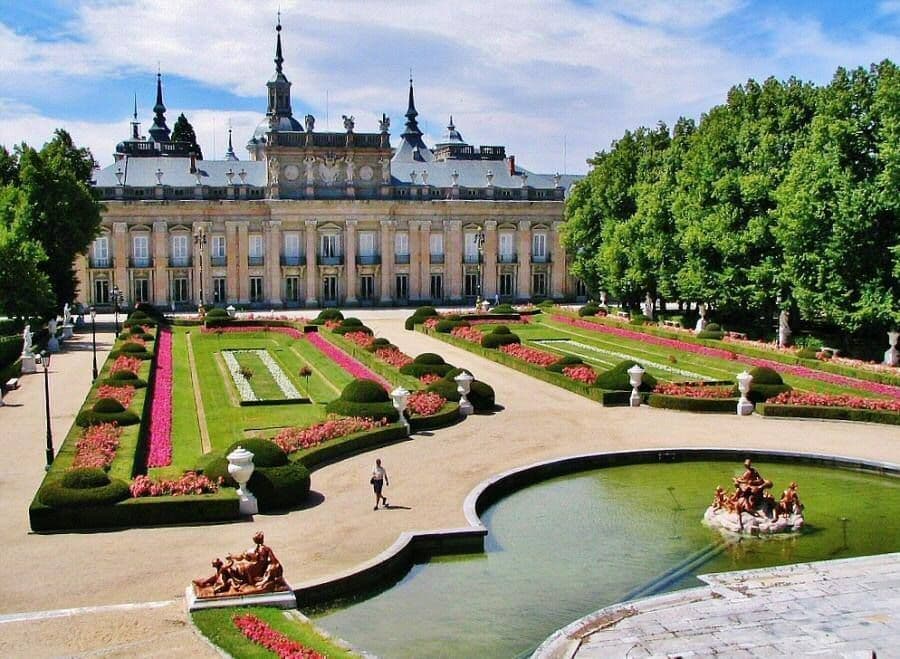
{"x":241,"y":468}
{"x":635,"y":377}
{"x":744,"y":406}
{"x":400,"y":397}
{"x":463,"y":385}
{"x":892,"y":355}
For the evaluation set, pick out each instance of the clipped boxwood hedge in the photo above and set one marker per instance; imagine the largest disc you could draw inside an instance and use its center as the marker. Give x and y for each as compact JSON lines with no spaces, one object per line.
{"x":564,"y":361}
{"x":446,"y":388}
{"x":710,"y":334}
{"x":266,"y":453}
{"x":281,"y":487}
{"x":496,"y":339}
{"x":429,"y":358}
{"x":617,"y":378}
{"x":329,"y":314}
{"x":446,"y":416}
{"x":589,"y":310}
{"x":481,"y":395}
{"x":684,"y":403}
{"x":56,"y":495}
{"x":370,"y":410}
{"x":139,"y":354}
{"x":447,"y":325}
{"x":504,"y":308}
{"x":765,"y":375}
{"x":108,"y":406}
{"x":90,"y":417}
{"x":363,"y":390}
{"x":346,"y":329}
{"x":81,"y":478}
{"x":835,"y":413}
{"x":418,"y":370}
{"x":124,"y":379}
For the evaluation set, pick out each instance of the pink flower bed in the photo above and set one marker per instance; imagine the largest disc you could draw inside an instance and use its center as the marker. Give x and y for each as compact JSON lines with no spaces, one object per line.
{"x":431,"y":323}
{"x":190,"y":483}
{"x":495,"y":321}
{"x":345,"y":361}
{"x":293,"y":332}
{"x":393,"y":356}
{"x":122,"y":394}
{"x":136,"y":340}
{"x":260,"y":633}
{"x":425,"y":403}
{"x":790,"y":369}
{"x":467,"y":334}
{"x":361,"y":339}
{"x":332,"y":324}
{"x":835,"y":400}
{"x":694,"y":390}
{"x":530,"y":355}
{"x":160,"y":432}
{"x":123,"y":363}
{"x":294,"y":439}
{"x":429,"y":378}
{"x":97,"y":446}
{"x":581,"y":373}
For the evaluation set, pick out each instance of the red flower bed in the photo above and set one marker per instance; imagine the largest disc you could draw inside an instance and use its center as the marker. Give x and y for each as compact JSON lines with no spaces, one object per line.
{"x":581,"y":373}
{"x":467,"y":334}
{"x":530,"y":355}
{"x":294,"y":439}
{"x":190,"y":483}
{"x":332,"y":324}
{"x":393,"y":357}
{"x":123,"y":363}
{"x":122,"y":394}
{"x":835,"y":400}
{"x":136,"y":340}
{"x":361,"y":339}
{"x":429,"y":378}
{"x":260,"y":633}
{"x":97,"y":446}
{"x":425,"y":403}
{"x":293,"y":332}
{"x":694,"y":390}
{"x":431,"y":323}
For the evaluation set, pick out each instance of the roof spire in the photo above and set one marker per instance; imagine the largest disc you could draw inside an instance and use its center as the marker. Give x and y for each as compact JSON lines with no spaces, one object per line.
{"x":412,"y":126}
{"x":135,"y":130}
{"x":230,"y":155}
{"x":159,"y":131}
{"x":279,"y":58}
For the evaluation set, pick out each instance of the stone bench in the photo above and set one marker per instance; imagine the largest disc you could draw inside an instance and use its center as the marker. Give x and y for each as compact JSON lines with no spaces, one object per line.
{"x":12,"y":383}
{"x":672,"y":323}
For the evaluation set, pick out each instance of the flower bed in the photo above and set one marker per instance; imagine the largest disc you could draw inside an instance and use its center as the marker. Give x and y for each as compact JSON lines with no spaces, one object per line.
{"x":827,"y":400}
{"x":530,"y":355}
{"x":241,"y":329}
{"x":362,"y":339}
{"x":245,"y":391}
{"x":260,"y":633}
{"x":393,"y":356}
{"x":694,"y":390}
{"x":189,"y":483}
{"x":431,"y":323}
{"x":429,"y":378}
{"x":496,"y":321}
{"x":467,"y":334}
{"x":97,"y":446}
{"x":424,"y":403}
{"x":124,"y":395}
{"x":123,"y":363}
{"x":294,"y":439}
{"x":159,"y":453}
{"x":345,"y":361}
{"x":799,"y":371}
{"x":581,"y":373}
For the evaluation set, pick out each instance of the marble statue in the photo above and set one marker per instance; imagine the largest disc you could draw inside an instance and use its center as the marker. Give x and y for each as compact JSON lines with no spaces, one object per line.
{"x":51,"y":327}
{"x":255,"y":571}
{"x":310,"y":163}
{"x":53,"y":341}
{"x":892,"y":355}
{"x":384,"y":126}
{"x":701,"y":321}
{"x":784,"y":329}
{"x":27,"y":345}
{"x":349,"y":122}
{"x":349,"y":165}
{"x":385,"y":170}
{"x":310,"y":122}
{"x":603,"y":299}
{"x":273,"y":170}
{"x":751,"y":508}
{"x":67,"y":314}
{"x":647,"y":307}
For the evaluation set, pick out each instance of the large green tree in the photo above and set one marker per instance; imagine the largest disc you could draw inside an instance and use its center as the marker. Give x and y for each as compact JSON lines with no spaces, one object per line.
{"x":182,"y":131}
{"x":24,"y":286}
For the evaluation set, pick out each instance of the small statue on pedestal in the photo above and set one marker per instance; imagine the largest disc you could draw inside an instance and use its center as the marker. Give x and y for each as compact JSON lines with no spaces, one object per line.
{"x":252,"y":572}
{"x":784,"y":329}
{"x":701,"y":321}
{"x":648,"y":307}
{"x":27,"y":345}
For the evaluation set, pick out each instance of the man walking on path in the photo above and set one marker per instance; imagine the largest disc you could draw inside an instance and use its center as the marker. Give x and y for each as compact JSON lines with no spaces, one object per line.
{"x":379,"y":479}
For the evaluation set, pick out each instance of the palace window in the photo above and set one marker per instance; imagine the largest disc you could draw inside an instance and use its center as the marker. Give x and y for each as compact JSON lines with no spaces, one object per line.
{"x":330,"y":245}
{"x":140,"y":250}
{"x":539,"y":246}
{"x":366,"y":287}
{"x":141,"y":290}
{"x":292,"y":289}
{"x":180,"y":290}
{"x":437,"y":287}
{"x":367,"y":243}
{"x":506,"y":247}
{"x":219,"y":290}
{"x":472,"y":284}
{"x":539,"y":284}
{"x":506,"y":284}
{"x":256,"y":246}
{"x":401,"y":244}
{"x":292,"y":245}
{"x":218,"y":247}
{"x":256,"y":289}
{"x":580,"y":288}
{"x":180,"y":250}
{"x":401,"y":291}
{"x":436,"y":244}
{"x":101,"y":291}
{"x":100,"y":252}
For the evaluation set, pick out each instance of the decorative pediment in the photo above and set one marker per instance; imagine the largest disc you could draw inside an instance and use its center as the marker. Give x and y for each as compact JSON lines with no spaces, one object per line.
{"x":330,"y":227}
{"x":139,"y":228}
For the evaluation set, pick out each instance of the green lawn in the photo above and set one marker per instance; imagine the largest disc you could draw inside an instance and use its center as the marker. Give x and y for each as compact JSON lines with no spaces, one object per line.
{"x":262,"y":382}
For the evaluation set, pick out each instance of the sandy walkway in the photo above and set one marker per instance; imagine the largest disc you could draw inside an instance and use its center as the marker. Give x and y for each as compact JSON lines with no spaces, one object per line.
{"x":431,"y":475}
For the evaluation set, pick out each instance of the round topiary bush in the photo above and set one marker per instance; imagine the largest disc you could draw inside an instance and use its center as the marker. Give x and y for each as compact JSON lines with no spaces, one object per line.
{"x":546,"y":303}
{"x":130,"y":347}
{"x":418,"y":370}
{"x":501,"y":329}
{"x":504,"y":309}
{"x":589,"y":310}
{"x":381,"y":342}
{"x":138,"y":315}
{"x":215,"y":467}
{"x":57,"y":495}
{"x":713,"y":327}
{"x":108,"y":406}
{"x":447,"y":325}
{"x":363,"y":390}
{"x":617,"y":378}
{"x":346,"y":329}
{"x":767,"y":383}
{"x":495,"y":340}
{"x":90,"y":417}
{"x":807,"y":353}
{"x":136,"y":330}
{"x":566,"y":360}
{"x":765,"y":375}
{"x":481,"y":396}
{"x":265,"y":453}
{"x":330,"y":314}
{"x":123,"y":376}
{"x":425,"y":311}
{"x":429,"y":358}
{"x":83,"y":478}
{"x":453,"y":372}
{"x":217,"y":312}
{"x":446,"y":388}
{"x":366,"y":410}
{"x":281,"y":487}
{"x":352,"y":322}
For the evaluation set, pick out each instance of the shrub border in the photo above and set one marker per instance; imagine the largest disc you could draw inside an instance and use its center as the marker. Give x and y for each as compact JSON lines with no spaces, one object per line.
{"x":828,"y":413}
{"x":688,"y":404}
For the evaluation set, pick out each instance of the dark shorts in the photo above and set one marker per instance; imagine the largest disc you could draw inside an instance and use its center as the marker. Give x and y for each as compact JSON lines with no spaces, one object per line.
{"x":377,"y":485}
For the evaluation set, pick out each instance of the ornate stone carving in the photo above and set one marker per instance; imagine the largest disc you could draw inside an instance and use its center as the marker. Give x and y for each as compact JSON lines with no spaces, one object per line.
{"x":349,"y":122}
{"x":328,"y":170}
{"x":291,"y":172}
{"x":310,"y":122}
{"x":366,"y":173}
{"x":384,"y":126}
{"x":310,"y":163}
{"x":385,"y":169}
{"x":255,"y":571}
{"x":349,"y":165}
{"x":273,"y":170}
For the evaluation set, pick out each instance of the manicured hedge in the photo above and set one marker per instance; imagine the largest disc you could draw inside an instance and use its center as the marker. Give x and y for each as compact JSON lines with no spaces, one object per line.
{"x":481,"y":395}
{"x":90,"y":417}
{"x":346,"y":329}
{"x":329,"y":314}
{"x":81,"y":478}
{"x":710,"y":334}
{"x":496,"y":339}
{"x":108,"y":406}
{"x":447,"y":325}
{"x":371,"y":410}
{"x":344,"y":447}
{"x":564,"y":361}
{"x":266,"y":453}
{"x":57,"y":495}
{"x":139,"y":354}
{"x":10,"y":350}
{"x":119,"y":379}
{"x":217,"y":317}
{"x":617,"y":378}
{"x":446,"y":416}
{"x":835,"y":413}
{"x":418,"y":370}
{"x":363,"y":390}
{"x":727,"y":405}
{"x":276,"y":488}
{"x":429,"y":358}
{"x":765,"y":375}
{"x":446,"y":388}
{"x":589,"y":310}
{"x":504,"y":308}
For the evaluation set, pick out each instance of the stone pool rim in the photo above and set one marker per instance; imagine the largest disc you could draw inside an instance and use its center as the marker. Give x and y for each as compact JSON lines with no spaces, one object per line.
{"x":412,"y":547}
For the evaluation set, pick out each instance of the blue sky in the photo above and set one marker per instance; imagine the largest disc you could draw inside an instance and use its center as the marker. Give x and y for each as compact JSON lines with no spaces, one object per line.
{"x":554,"y":81}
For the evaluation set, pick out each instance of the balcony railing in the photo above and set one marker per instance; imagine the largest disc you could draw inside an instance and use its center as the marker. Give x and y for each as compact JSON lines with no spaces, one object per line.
{"x":179,"y":261}
{"x":293,"y":259}
{"x":101,"y":263}
{"x":472,"y":258}
{"x":540,"y":258}
{"x":218,"y":261}
{"x":401,"y":258}
{"x":436,"y":258}
{"x":331,"y":260}
{"x":256,"y":260}
{"x":507,"y":258}
{"x":140,"y":262}
{"x":368,"y":259}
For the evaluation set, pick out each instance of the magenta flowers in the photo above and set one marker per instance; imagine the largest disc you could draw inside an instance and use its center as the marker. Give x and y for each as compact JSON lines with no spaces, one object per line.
{"x":274,"y":641}
{"x":345,"y":361}
{"x":160,"y":451}
{"x":236,"y":329}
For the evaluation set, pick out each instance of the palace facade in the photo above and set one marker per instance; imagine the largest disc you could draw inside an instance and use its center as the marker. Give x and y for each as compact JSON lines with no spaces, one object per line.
{"x":317,"y":218}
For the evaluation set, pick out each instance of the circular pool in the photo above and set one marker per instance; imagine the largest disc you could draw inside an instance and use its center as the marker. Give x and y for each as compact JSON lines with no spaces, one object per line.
{"x":565,"y":547}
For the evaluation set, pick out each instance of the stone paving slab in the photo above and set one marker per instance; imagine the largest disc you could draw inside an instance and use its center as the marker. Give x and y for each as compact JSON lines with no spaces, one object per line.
{"x":734,"y":616}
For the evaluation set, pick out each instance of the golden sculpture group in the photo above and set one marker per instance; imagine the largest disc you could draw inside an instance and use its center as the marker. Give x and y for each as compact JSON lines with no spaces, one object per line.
{"x":252,"y":572}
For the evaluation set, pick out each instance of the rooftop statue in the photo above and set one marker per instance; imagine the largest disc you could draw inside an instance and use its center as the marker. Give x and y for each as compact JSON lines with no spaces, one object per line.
{"x":349,"y":122}
{"x":248,"y":573}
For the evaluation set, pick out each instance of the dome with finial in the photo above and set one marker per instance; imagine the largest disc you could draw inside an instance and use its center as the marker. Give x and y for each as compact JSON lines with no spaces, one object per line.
{"x":279,"y":116}
{"x":451,"y":136}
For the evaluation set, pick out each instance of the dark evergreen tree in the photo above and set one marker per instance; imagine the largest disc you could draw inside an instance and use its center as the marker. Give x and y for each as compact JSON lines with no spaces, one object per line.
{"x":184,"y":132}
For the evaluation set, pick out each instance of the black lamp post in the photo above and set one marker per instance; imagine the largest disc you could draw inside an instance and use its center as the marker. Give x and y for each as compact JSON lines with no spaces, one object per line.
{"x":116,"y":293}
{"x":45,"y":362}
{"x":94,"y":338}
{"x":200,"y":241}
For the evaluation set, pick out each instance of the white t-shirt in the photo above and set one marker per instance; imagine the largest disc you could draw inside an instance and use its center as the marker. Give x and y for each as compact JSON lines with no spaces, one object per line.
{"x":379,"y":474}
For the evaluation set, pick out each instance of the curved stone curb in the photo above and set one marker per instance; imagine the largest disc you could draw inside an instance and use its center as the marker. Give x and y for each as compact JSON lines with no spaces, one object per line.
{"x":412,"y":546}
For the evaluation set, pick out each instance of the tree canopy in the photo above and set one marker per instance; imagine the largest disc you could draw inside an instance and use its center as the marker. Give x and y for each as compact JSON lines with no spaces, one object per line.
{"x":184,"y":132}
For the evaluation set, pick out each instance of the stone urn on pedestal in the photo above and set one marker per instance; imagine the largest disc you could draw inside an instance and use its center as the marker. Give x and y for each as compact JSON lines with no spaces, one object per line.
{"x":892,"y":355}
{"x":744,"y":406}
{"x":230,"y":310}
{"x":240,"y":468}
{"x":463,"y":384}
{"x":635,"y":377}
{"x":701,"y":321}
{"x":400,"y":396}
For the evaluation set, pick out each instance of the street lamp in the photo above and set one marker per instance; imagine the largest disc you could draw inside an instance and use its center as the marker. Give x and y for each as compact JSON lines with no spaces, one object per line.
{"x":116,"y":294}
{"x":94,"y":338}
{"x":45,"y":362}
{"x":200,"y":241}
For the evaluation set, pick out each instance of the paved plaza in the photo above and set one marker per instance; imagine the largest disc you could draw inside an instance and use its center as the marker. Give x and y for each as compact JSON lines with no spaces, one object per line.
{"x":137,"y":576}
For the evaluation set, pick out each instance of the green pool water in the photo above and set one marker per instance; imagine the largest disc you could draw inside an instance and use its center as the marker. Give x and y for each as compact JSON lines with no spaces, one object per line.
{"x":565,"y":547}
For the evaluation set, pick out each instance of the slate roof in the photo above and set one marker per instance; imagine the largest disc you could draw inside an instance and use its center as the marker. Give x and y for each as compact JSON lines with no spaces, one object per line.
{"x":141,"y":172}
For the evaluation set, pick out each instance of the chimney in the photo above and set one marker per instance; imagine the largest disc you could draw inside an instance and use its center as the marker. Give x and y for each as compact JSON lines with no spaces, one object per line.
{"x":193,"y":163}
{"x":512,"y":165}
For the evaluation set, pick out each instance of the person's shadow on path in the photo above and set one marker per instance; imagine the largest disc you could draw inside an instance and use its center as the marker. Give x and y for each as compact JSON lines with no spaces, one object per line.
{"x":391,"y":506}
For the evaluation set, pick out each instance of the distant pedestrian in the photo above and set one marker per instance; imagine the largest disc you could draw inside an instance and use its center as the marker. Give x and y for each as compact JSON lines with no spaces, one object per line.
{"x":379,"y":479}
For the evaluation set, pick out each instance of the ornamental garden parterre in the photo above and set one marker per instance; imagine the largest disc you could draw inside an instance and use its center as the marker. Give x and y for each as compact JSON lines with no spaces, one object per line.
{"x":171,"y":402}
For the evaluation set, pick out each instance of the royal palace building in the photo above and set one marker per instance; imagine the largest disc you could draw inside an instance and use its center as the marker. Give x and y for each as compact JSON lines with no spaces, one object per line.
{"x":316,"y":218}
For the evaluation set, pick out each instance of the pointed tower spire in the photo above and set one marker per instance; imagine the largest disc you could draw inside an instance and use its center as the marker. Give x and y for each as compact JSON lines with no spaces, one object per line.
{"x":159,"y":131}
{"x":135,"y":124}
{"x":230,"y":155}
{"x":280,"y":90}
{"x":412,"y":133}
{"x":279,"y":59}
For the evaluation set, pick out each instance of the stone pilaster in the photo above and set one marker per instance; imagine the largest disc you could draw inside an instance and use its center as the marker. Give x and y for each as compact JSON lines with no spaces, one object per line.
{"x":312,"y":268}
{"x":453,"y":267}
{"x":415,"y":261}
{"x":557,"y":262}
{"x":243,"y":263}
{"x":425,"y":260}
{"x":387,"y":262}
{"x":233,"y":269}
{"x":350,"y":246}
{"x":121,"y":248}
{"x":160,"y":250}
{"x":272,"y":230}
{"x":523,"y":287}
{"x":489,"y":268}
